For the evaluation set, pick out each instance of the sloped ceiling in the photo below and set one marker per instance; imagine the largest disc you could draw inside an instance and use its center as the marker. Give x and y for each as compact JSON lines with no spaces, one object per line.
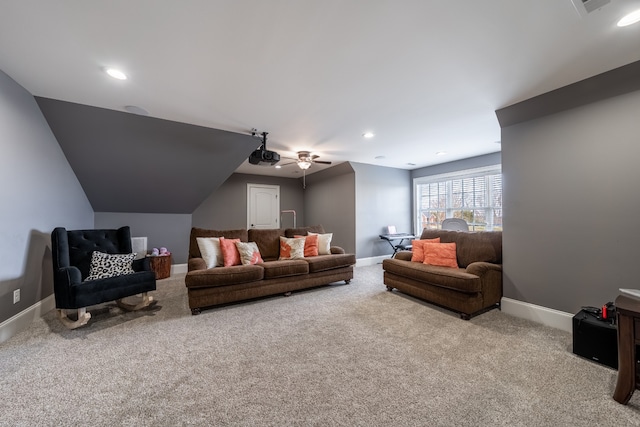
{"x":132,"y":163}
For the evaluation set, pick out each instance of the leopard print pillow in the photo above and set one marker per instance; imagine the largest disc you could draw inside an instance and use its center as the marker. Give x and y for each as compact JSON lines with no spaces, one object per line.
{"x":110,"y":265}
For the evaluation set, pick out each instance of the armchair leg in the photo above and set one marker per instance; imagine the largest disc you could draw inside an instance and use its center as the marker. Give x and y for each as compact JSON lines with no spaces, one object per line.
{"x":147,"y":300}
{"x":83,"y":318}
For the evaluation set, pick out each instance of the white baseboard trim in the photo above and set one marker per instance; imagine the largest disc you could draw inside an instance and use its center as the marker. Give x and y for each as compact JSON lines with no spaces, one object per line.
{"x":361,"y":262}
{"x":546,"y":316}
{"x":22,"y":320}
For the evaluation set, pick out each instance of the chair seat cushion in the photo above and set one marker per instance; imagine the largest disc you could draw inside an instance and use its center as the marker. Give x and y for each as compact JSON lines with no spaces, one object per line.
{"x":97,"y":291}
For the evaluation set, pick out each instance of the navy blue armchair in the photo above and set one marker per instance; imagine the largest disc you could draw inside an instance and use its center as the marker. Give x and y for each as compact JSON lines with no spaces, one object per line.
{"x":72,"y":253}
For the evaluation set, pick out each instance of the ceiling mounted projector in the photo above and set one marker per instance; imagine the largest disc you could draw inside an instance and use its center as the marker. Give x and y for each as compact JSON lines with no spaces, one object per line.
{"x":262,"y":156}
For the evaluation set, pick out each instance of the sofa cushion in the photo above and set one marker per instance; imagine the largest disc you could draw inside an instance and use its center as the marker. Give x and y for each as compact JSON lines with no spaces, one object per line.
{"x":303,"y":231}
{"x":329,"y":262}
{"x":284,"y":268}
{"x":471,"y":246}
{"x":445,"y":277}
{"x":224,"y":276}
{"x":268,"y":241}
{"x":194,"y":251}
{"x":442,"y":254}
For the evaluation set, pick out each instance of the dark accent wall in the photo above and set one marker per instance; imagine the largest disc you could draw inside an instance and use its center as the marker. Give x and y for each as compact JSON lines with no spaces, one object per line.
{"x":571,"y":197}
{"x":161,"y":230}
{"x":39,"y":192}
{"x":330,"y":200}
{"x":226,"y":208}
{"x":383,"y":198}
{"x":131,"y":163}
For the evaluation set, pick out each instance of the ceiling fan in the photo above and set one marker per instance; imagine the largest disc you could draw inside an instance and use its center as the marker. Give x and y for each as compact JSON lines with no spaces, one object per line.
{"x":306,"y":159}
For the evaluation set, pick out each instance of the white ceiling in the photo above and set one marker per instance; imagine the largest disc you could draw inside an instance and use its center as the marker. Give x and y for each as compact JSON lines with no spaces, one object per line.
{"x":424,"y":76}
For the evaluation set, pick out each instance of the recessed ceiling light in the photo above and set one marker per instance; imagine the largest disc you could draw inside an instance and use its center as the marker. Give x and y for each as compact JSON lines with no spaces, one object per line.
{"x":116,"y":74}
{"x":441,"y":153}
{"x":278,"y":167}
{"x":368,"y":134}
{"x":629,"y":19}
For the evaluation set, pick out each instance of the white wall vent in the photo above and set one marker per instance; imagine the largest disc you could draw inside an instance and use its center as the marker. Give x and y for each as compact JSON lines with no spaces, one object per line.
{"x":584,"y":7}
{"x":139,"y":246}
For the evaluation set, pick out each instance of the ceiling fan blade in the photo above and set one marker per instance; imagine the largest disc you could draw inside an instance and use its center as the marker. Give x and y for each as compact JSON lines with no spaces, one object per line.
{"x":287,"y":164}
{"x":322,"y":162}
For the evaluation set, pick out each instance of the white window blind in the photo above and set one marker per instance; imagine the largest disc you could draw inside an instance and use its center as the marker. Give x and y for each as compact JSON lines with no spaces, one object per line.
{"x":473,"y":195}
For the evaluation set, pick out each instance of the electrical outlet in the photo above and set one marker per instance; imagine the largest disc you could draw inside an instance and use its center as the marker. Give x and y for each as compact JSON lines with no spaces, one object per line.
{"x":16,"y":296}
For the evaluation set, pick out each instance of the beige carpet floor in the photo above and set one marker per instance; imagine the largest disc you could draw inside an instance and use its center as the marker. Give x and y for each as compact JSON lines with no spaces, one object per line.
{"x":341,"y":355}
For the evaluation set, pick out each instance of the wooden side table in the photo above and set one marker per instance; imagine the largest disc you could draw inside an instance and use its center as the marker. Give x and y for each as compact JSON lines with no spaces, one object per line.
{"x":628,"y":313}
{"x":161,"y":265}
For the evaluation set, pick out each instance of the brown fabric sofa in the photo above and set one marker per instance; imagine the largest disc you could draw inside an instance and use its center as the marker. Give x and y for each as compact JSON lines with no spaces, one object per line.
{"x":471,"y":289}
{"x":220,"y":285}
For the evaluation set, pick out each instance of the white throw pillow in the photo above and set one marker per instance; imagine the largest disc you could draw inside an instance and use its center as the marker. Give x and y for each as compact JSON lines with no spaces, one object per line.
{"x":324,"y":242}
{"x":210,"y":251}
{"x":110,"y":265}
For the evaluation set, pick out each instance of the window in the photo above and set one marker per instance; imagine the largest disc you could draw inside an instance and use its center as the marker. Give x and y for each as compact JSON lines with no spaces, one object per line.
{"x":473,"y":195}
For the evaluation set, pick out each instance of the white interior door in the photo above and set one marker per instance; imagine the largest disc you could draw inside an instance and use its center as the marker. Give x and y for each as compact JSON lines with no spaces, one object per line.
{"x":263,"y":206}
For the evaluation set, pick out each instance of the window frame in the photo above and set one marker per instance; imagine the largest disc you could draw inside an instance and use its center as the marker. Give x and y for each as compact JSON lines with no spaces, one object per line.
{"x":448,"y":178}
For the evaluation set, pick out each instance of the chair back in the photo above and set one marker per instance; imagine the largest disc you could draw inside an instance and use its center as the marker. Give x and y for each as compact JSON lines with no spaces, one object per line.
{"x":74,"y":247}
{"x":458,"y":224}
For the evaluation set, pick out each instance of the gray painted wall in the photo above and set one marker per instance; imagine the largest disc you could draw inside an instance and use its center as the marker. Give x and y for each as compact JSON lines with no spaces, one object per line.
{"x":330,"y":200}
{"x":571,"y":203}
{"x":383,"y":198}
{"x":39,"y":192}
{"x":168,"y":230}
{"x":226,"y":208}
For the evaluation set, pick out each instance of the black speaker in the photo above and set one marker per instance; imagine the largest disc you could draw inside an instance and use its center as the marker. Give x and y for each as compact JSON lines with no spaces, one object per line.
{"x":595,"y":338}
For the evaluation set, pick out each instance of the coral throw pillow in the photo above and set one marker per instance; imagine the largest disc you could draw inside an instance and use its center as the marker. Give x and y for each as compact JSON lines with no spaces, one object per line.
{"x":291,"y":248}
{"x":324,"y":242}
{"x":418,"y":252}
{"x":310,"y":245}
{"x":249,"y":253}
{"x":230,"y":252}
{"x":443,"y":254}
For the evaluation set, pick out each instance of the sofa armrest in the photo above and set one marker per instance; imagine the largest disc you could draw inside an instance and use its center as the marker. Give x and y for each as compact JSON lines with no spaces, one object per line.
{"x":337,"y":250}
{"x":482,"y":268}
{"x":403,"y":255}
{"x":142,"y":264}
{"x":196,"y":264}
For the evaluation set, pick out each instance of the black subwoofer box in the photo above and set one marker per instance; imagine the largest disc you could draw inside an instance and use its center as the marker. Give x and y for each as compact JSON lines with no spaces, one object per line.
{"x":595,"y":339}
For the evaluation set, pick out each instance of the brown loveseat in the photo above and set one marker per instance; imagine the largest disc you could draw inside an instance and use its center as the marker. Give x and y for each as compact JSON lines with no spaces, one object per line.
{"x":471,"y":289}
{"x":219,"y":285}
